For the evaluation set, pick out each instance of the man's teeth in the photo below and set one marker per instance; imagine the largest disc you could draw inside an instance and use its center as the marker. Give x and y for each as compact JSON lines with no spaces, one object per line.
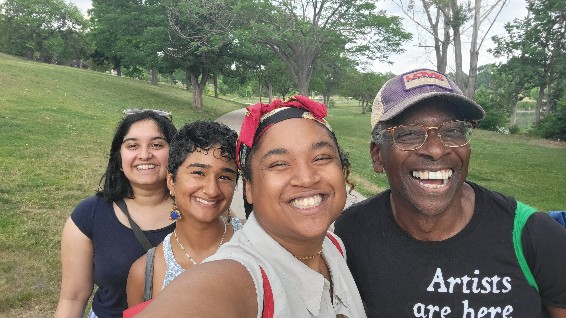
{"x":443,"y":175}
{"x":306,"y":203}
{"x":203,"y":201}
{"x":145,"y":167}
{"x":433,"y":175}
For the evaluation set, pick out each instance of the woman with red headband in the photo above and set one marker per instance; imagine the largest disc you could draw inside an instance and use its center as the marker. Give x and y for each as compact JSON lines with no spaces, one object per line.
{"x":283,"y":262}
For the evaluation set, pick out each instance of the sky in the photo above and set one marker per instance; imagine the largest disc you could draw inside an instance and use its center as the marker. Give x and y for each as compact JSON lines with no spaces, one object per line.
{"x":416,"y":56}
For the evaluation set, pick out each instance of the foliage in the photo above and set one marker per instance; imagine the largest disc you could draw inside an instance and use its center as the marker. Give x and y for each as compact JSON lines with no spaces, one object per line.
{"x":129,"y":34}
{"x":526,"y":105}
{"x":495,"y":105}
{"x":535,"y":45}
{"x":200,"y":40}
{"x":514,"y":129}
{"x":363,"y":87}
{"x":331,"y":74}
{"x":50,"y":31}
{"x":299,"y":32}
{"x":553,"y":126}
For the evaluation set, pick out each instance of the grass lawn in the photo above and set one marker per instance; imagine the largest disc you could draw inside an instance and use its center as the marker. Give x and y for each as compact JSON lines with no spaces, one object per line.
{"x":57,"y":122}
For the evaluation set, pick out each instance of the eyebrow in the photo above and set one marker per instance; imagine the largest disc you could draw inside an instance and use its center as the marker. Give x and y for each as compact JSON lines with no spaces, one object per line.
{"x":152,"y":139}
{"x":322,"y":144}
{"x":272,"y":152}
{"x":204,"y":166}
{"x":283,"y":151}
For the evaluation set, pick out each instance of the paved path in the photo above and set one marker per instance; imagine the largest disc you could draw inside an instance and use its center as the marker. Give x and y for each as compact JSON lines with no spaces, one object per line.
{"x":234,"y":121}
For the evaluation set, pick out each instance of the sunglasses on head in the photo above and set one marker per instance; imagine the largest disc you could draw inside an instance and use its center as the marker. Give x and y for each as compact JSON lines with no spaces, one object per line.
{"x":164,"y":113}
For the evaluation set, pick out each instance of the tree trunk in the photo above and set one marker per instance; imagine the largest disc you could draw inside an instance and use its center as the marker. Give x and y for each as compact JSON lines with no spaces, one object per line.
{"x":198,"y":87}
{"x":154,"y":76}
{"x":270,"y":92}
{"x":456,"y":16}
{"x":215,"y":81}
{"x":440,"y":44}
{"x":118,"y":70}
{"x":514,"y":100}
{"x":197,"y":93}
{"x":474,"y":52}
{"x":538,"y":107}
{"x":303,"y":82}
{"x":443,"y":62}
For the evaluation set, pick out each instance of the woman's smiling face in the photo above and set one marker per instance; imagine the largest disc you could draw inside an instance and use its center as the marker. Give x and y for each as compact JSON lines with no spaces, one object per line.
{"x":298,"y":184}
{"x":204,"y":184}
{"x":144,"y":154}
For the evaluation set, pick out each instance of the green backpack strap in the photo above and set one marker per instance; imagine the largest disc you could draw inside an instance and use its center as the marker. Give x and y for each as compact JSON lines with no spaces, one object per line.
{"x":522,"y":214}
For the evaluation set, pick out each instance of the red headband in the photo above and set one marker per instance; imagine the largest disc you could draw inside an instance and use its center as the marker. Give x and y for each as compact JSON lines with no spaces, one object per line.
{"x":254,"y":114}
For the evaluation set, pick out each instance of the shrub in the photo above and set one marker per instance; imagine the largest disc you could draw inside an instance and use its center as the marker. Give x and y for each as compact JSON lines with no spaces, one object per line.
{"x":514,"y":129}
{"x":496,"y":114}
{"x":553,"y":125}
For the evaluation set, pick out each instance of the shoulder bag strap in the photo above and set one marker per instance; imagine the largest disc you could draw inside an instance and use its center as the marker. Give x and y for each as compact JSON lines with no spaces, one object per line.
{"x":522,"y":214}
{"x":137,"y":231}
{"x":148,"y":285}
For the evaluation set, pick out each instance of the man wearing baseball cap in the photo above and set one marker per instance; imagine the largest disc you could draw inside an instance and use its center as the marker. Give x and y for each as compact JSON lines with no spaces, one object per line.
{"x":435,"y":244}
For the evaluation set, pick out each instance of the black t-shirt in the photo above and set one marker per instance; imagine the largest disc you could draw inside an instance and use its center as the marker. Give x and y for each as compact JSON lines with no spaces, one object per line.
{"x":472,"y":274}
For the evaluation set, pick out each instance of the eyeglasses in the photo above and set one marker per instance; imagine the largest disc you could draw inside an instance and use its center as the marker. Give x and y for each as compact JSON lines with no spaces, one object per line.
{"x":164,"y":113}
{"x":453,"y":134}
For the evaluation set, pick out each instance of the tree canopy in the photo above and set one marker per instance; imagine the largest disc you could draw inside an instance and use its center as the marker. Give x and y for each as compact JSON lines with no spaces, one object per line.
{"x":300,"y":32}
{"x":46,"y":30}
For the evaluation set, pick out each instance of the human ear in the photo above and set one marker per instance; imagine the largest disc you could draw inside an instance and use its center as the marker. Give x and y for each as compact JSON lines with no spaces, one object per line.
{"x":170,"y":184}
{"x":248,"y":191}
{"x":376,"y":160}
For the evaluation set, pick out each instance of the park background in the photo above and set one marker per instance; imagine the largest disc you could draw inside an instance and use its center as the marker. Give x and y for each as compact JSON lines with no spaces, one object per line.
{"x":57,"y":121}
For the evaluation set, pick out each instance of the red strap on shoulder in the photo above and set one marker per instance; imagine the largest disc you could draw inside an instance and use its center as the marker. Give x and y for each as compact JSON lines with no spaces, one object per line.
{"x":335,"y":242}
{"x":268,"y":304}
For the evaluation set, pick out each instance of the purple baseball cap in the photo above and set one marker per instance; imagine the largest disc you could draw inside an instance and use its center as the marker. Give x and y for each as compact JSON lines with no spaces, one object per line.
{"x":405,"y":90}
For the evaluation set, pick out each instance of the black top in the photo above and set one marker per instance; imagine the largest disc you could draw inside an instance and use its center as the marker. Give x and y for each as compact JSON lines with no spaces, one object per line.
{"x":472,"y":274}
{"x":115,"y":250}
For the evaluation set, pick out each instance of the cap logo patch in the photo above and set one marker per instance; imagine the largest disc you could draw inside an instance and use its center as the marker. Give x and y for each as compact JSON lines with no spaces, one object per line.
{"x":425,"y":78}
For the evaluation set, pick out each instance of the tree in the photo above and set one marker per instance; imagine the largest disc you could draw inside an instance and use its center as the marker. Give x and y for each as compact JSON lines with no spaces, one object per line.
{"x":364,"y":86}
{"x":201,"y":36}
{"x":300,"y":31}
{"x":329,"y":75}
{"x":447,"y":22}
{"x":39,"y":28}
{"x":129,"y":34}
{"x":536,"y":43}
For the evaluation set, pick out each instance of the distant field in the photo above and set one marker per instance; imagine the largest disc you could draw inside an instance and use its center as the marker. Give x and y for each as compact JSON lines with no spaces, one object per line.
{"x":56,"y":123}
{"x":525,"y":119}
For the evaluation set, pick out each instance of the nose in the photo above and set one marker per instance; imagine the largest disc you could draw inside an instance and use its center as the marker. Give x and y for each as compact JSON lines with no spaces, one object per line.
{"x":145,"y":153}
{"x":211,"y":188}
{"x":305,"y":175}
{"x":433,"y":146}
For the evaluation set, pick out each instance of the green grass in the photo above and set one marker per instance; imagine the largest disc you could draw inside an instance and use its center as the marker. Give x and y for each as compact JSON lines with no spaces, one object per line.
{"x":56,"y":124}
